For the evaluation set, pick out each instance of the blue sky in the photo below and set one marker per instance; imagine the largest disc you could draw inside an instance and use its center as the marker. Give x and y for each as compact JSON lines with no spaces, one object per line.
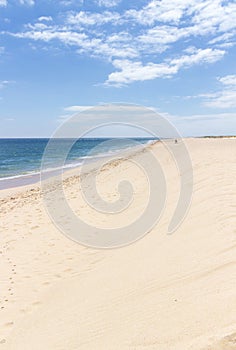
{"x":176,"y":56}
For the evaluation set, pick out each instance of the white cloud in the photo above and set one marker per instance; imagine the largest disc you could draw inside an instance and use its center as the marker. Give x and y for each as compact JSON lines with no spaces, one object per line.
{"x":108,"y":3}
{"x":4,"y":83}
{"x":161,"y":35}
{"x":224,"y":98}
{"x":45,"y":18}
{"x":70,"y":2}
{"x":198,"y":56}
{"x":61,"y":118}
{"x":3,"y":2}
{"x":37,"y":26}
{"x":217,"y":15}
{"x":70,"y":111}
{"x":69,"y":38}
{"x":27,"y":2}
{"x":222,"y":38}
{"x":140,"y":42}
{"x":83,"y":18}
{"x":94,"y":46}
{"x":76,"y":108}
{"x":225,"y":45}
{"x":135,"y":71}
{"x":159,"y":11}
{"x":228,"y":80}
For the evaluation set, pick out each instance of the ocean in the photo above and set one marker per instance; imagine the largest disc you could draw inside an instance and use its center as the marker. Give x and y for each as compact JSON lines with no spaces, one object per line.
{"x":20,"y":159}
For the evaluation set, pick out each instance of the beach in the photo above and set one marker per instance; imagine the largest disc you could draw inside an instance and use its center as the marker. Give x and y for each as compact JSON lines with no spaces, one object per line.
{"x":162,"y":292}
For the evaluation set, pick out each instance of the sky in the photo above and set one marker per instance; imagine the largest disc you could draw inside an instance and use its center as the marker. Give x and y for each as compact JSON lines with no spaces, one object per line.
{"x":58,"y":57}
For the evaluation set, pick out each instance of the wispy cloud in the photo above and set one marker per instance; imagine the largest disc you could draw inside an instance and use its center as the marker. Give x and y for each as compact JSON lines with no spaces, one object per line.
{"x":225,"y":97}
{"x":224,"y":38}
{"x":204,"y":124}
{"x":3,"y":2}
{"x":200,"y":117}
{"x":76,"y":108}
{"x":45,"y":19}
{"x":69,"y":111}
{"x":4,"y":83}
{"x":136,"y":71}
{"x":27,"y":2}
{"x":9,"y":119}
{"x":228,"y":80}
{"x":84,"y":18}
{"x":68,"y":3}
{"x":108,"y":3}
{"x":84,"y":43}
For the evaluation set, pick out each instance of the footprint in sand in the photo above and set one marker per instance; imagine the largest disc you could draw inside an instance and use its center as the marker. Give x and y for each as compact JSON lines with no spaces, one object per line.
{"x":9,"y":324}
{"x":36,"y":303}
{"x":67,"y":270}
{"x":227,"y":343}
{"x":46,"y":283}
{"x":34,"y":227}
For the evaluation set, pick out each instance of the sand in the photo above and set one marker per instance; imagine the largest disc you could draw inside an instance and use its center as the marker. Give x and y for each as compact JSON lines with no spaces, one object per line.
{"x":162,"y":292}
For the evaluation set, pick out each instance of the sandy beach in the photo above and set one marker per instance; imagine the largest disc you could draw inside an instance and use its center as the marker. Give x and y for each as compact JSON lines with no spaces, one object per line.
{"x":164,"y":292}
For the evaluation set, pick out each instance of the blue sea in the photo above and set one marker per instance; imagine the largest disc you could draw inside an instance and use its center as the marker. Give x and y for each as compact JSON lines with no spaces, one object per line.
{"x":20,"y":159}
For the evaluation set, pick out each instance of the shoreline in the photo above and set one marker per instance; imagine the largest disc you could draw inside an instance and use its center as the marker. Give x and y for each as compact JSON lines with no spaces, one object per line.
{"x":33,"y":178}
{"x":25,"y":180}
{"x":29,"y":189}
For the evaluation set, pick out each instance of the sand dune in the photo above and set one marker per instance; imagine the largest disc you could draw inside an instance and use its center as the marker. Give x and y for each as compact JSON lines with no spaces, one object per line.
{"x":162,"y":292}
